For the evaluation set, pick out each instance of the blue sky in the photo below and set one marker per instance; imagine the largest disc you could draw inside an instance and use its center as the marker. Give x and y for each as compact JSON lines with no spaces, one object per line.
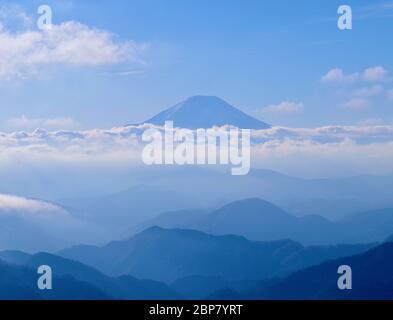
{"x":266,"y":57}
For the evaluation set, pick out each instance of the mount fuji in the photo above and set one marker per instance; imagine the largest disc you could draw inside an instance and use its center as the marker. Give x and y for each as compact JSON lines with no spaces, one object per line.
{"x":206,"y":112}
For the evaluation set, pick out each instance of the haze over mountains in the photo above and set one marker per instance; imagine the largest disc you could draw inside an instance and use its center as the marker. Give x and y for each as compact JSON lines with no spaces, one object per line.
{"x":20,"y":283}
{"x":83,"y":281}
{"x":197,"y":265}
{"x":183,"y":188}
{"x":191,"y":232}
{"x":206,"y":112}
{"x":260,"y":220}
{"x":171,"y":254}
{"x":176,"y":263}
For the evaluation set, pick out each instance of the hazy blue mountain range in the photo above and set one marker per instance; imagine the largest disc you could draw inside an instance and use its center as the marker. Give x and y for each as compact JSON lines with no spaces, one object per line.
{"x":170,"y":255}
{"x":260,"y":220}
{"x":124,"y":287}
{"x":99,"y":220}
{"x":20,"y":283}
{"x":372,"y":279}
{"x":170,"y":190}
{"x":206,"y":112}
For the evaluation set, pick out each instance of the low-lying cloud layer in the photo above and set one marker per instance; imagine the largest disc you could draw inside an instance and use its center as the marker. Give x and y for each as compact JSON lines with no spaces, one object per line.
{"x":366,"y":149}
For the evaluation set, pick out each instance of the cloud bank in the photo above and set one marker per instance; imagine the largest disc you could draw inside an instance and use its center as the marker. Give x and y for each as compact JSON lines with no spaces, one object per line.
{"x":367,"y":148}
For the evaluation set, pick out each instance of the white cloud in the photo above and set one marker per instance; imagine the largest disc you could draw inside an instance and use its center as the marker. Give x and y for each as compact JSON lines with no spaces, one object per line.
{"x":372,"y":74}
{"x":69,"y":43}
{"x":285,"y":107}
{"x":30,"y":124}
{"x":375,"y":74}
{"x":334,"y":75}
{"x":368,"y":91}
{"x":275,"y":148}
{"x":12,"y":203}
{"x":356,"y":103}
{"x":338,"y":75}
{"x":123,"y":144}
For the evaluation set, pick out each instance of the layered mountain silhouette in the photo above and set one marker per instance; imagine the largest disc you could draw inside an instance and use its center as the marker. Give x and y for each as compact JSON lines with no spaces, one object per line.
{"x":261,"y":220}
{"x":372,"y":279}
{"x":123,"y":287}
{"x":168,"y":188}
{"x":206,"y":112}
{"x":171,"y":254}
{"x":20,"y":283}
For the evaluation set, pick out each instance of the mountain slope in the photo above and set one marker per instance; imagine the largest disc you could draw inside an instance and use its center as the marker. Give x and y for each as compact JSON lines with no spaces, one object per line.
{"x":260,"y":220}
{"x":125,"y":287}
{"x":372,"y":279}
{"x":20,"y":283}
{"x":169,"y":255}
{"x":370,"y":226}
{"x":256,"y":220}
{"x":206,"y":112}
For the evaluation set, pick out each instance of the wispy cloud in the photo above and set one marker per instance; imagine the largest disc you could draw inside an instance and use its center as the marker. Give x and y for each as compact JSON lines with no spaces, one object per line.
{"x":284,"y":108}
{"x":69,"y":43}
{"x":128,"y":73}
{"x":24,"y":123}
{"x":372,"y":74}
{"x":368,"y":91}
{"x":337,"y":75}
{"x":379,"y":9}
{"x":359,"y":88}
{"x":375,"y":74}
{"x":356,"y":103}
{"x":10,"y":203}
{"x":13,"y":14}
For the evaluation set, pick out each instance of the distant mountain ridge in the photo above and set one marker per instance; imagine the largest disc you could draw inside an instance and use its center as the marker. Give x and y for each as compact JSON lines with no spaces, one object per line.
{"x":260,"y":220}
{"x":372,"y":279}
{"x":167,"y":255}
{"x":206,"y":112}
{"x":123,"y":287}
{"x":19,"y":282}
